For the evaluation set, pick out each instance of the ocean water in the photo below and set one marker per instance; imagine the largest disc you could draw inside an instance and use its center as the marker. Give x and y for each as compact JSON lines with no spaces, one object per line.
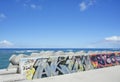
{"x":5,"y":53}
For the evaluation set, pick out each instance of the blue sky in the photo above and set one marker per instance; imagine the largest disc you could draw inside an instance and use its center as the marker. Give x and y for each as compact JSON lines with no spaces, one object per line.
{"x":60,"y":23}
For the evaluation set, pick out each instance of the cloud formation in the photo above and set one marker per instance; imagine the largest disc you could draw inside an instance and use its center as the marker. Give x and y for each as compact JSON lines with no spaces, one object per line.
{"x":108,"y":42}
{"x":113,"y":38}
{"x":34,"y":6}
{"x":86,"y":4}
{"x":2,"y":16}
{"x":5,"y":43}
{"x":30,"y":4}
{"x":83,"y":6}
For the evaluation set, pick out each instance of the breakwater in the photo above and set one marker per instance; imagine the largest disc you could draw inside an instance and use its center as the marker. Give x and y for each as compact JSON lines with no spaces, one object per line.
{"x":35,"y":67}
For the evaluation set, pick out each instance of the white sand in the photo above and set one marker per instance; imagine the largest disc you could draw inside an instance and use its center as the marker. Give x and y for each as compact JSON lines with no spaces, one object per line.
{"x":109,"y":74}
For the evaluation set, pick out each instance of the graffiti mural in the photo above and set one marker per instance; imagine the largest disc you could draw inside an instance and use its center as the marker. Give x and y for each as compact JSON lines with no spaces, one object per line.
{"x":109,"y":59}
{"x":86,"y":62}
{"x":45,"y":67}
{"x":35,"y":68}
{"x":118,"y":58}
{"x":26,"y":67}
{"x":97,"y":61}
{"x":103,"y":60}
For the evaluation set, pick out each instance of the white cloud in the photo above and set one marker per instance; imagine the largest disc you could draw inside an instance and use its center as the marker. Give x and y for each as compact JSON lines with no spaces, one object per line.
{"x":32,"y":6}
{"x":113,"y":38}
{"x":86,"y":4}
{"x":108,"y":42}
{"x":2,"y":16}
{"x":5,"y":43}
{"x":83,"y":6}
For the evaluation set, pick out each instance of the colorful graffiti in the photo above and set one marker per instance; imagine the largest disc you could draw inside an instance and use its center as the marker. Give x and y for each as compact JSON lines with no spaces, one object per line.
{"x":45,"y":67}
{"x":118,"y":58}
{"x":103,"y":60}
{"x":35,"y":68}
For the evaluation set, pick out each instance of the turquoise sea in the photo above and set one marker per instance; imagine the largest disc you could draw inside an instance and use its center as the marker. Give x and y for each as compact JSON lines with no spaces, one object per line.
{"x":5,"y":53}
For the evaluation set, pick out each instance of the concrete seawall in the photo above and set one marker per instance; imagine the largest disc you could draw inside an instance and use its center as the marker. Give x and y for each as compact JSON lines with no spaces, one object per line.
{"x":37,"y":67}
{"x":41,"y":67}
{"x":110,"y":74}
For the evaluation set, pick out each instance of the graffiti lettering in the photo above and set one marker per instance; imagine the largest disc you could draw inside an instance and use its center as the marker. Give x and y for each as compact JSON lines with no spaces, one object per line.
{"x":52,"y":66}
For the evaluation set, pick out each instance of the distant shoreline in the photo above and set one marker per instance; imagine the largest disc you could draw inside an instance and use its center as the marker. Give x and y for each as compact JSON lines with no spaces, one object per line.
{"x":63,"y":48}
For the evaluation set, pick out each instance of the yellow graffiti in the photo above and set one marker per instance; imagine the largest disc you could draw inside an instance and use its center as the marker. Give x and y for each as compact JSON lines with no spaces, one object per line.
{"x":95,"y":64}
{"x":30,"y":73}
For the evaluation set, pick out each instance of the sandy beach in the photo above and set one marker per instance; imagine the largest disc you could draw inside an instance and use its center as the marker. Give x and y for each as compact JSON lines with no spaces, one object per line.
{"x":110,"y":74}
